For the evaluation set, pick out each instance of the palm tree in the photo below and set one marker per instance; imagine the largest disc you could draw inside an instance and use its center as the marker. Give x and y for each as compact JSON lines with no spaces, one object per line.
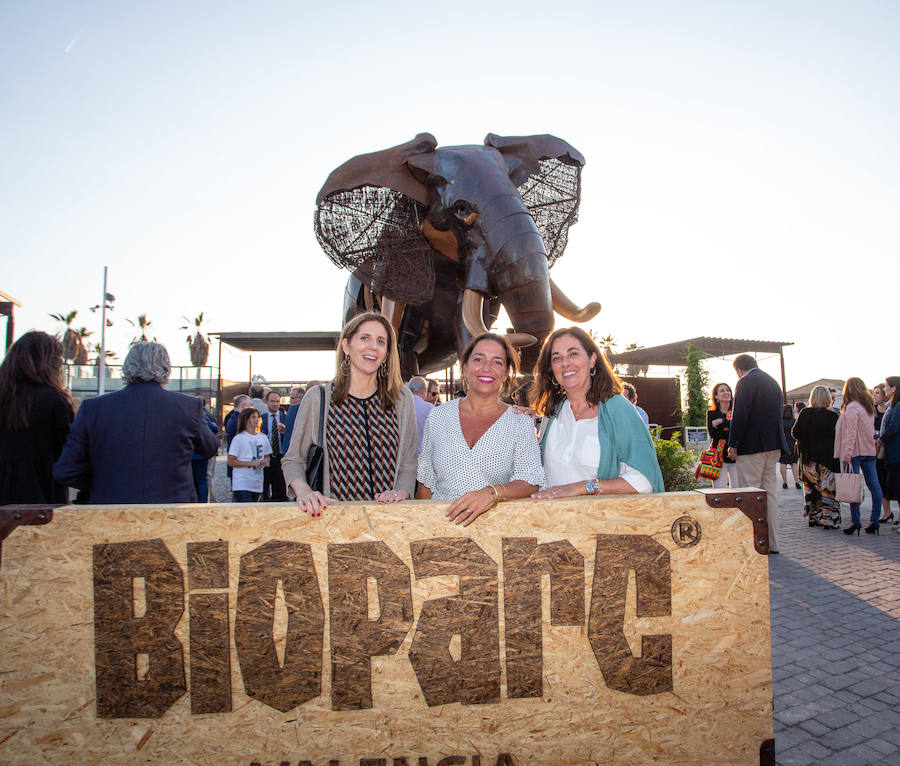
{"x":142,"y":324}
{"x":81,"y":355}
{"x":607,"y":343}
{"x":635,"y":369}
{"x":70,"y":340}
{"x":110,"y":355}
{"x":199,"y":343}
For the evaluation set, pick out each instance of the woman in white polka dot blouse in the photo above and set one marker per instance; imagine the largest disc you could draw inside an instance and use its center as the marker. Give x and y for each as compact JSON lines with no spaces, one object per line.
{"x":477,"y":451}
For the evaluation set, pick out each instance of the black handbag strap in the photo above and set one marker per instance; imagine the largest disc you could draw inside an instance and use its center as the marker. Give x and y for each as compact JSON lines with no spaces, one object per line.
{"x":321,"y":416}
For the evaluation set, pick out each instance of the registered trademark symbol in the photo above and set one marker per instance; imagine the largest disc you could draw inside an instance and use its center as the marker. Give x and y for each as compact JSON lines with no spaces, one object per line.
{"x":686,"y":532}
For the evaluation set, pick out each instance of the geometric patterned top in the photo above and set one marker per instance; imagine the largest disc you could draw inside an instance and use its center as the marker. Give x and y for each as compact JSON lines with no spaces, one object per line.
{"x":362,"y":448}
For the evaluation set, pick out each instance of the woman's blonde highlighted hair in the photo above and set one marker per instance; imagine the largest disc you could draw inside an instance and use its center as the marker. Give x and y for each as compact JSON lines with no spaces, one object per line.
{"x":390,"y":382}
{"x":820,"y":397}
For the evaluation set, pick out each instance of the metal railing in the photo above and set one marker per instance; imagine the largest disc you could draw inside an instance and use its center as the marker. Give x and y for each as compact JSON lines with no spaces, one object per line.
{"x":82,"y":381}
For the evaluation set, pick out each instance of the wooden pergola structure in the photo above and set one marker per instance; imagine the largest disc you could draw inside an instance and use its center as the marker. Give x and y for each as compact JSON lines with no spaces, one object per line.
{"x":673,"y":354}
{"x":6,"y":308}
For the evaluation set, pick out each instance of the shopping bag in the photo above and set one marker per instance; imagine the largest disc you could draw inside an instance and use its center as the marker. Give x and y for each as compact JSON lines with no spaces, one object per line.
{"x":848,"y":487}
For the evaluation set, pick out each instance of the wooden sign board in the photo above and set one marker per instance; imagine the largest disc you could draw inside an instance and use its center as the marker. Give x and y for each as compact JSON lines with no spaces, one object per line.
{"x":590,"y":630}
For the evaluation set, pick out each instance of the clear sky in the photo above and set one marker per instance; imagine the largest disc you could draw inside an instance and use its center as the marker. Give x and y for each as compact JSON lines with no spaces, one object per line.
{"x":742,"y":177}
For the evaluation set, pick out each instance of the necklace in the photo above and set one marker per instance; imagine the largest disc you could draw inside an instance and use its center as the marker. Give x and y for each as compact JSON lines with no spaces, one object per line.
{"x":583,"y":412}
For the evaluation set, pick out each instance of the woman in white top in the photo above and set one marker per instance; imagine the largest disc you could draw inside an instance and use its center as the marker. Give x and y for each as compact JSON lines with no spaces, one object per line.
{"x":247,"y":456}
{"x":477,"y":451}
{"x":593,"y":439}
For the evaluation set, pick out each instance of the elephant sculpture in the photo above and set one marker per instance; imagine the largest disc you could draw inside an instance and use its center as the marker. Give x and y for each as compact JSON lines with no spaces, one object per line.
{"x":438,"y":238}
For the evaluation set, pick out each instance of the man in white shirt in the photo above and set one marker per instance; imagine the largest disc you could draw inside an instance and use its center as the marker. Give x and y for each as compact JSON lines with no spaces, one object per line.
{"x":419,"y":388}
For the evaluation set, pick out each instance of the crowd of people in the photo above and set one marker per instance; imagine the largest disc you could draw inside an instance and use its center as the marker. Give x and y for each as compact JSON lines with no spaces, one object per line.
{"x":366,"y":435}
{"x":861,"y":435}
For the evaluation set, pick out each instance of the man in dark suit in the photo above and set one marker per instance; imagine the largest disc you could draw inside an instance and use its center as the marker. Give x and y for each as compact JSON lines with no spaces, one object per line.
{"x":272,"y":426}
{"x":135,"y":445}
{"x":756,"y":439}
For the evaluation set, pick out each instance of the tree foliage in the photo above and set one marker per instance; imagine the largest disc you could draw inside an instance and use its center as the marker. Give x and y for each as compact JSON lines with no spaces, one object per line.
{"x":696,"y":379}
{"x":143,"y":324}
{"x":198,"y":343}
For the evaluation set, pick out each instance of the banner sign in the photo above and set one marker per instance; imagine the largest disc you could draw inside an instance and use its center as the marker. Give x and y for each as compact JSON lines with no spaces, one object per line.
{"x":588,"y":630}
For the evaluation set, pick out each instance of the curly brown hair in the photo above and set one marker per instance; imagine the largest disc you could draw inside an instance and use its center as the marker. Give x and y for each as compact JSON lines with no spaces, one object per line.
{"x":547,"y":394}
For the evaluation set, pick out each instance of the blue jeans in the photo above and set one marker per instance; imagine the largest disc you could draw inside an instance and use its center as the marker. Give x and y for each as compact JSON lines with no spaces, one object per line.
{"x":246,"y":496}
{"x":870,"y":474}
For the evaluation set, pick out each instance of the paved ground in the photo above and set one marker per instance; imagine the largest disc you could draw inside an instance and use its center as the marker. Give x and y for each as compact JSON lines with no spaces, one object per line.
{"x":835,"y":603}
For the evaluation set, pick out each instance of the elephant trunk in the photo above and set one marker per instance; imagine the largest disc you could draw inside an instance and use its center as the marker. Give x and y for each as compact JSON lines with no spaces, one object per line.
{"x":518,"y":272}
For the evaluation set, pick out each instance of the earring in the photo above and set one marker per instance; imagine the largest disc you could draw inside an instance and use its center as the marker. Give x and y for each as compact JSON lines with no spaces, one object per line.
{"x":382,"y":371}
{"x":593,"y":371}
{"x":345,"y":365}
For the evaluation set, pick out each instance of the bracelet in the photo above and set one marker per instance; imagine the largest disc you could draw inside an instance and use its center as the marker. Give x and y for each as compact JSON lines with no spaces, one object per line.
{"x":495,"y":493}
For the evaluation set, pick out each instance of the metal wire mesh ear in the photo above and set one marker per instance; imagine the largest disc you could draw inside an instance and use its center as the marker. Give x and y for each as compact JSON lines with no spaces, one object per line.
{"x":376,"y":232}
{"x":552,"y":197}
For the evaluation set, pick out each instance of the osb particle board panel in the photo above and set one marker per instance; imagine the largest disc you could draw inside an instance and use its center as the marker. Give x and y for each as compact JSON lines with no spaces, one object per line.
{"x":609,"y":630}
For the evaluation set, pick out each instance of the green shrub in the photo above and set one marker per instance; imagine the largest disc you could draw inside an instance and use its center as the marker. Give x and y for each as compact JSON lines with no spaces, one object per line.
{"x":676,"y":463}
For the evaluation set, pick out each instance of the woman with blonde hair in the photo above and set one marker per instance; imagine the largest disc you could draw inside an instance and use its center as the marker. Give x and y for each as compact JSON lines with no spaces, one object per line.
{"x":369,"y":431}
{"x":814,"y":432}
{"x":593,"y":439}
{"x":478,"y":451}
{"x":854,"y":445}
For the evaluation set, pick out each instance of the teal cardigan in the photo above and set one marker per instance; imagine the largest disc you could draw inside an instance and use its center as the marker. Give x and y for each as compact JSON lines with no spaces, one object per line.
{"x":623,"y":439}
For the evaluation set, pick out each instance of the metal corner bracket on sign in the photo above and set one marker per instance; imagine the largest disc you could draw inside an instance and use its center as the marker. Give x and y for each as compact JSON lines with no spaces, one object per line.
{"x":752,"y":503}
{"x":12,"y":516}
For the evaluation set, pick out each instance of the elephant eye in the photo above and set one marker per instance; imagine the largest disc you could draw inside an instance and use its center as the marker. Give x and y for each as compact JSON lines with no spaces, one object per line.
{"x":461,"y":209}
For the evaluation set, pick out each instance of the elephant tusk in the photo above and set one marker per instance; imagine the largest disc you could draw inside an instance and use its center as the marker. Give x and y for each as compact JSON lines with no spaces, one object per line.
{"x":563,"y":306}
{"x":473,"y":319}
{"x":471,"y":313}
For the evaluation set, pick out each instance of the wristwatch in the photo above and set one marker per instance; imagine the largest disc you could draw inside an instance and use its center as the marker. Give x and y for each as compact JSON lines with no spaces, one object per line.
{"x":592,"y":486}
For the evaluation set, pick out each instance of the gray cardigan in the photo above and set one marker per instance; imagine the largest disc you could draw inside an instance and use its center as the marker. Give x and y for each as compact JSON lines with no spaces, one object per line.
{"x":306,"y":431}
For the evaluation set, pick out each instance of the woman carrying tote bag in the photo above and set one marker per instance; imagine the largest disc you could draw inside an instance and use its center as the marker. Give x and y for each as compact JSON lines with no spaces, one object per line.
{"x":854,"y":444}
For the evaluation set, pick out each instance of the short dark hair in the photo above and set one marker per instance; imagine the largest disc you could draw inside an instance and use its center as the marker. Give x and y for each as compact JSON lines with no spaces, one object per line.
{"x":744,"y":363}
{"x":276,"y":394}
{"x":256,"y":392}
{"x":629,"y":392}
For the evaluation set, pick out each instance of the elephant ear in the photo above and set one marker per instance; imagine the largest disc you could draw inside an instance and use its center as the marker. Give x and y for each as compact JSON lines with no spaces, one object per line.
{"x":547,"y":172}
{"x":369,"y":217}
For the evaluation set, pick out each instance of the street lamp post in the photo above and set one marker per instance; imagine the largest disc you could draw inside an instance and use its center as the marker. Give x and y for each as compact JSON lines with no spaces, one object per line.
{"x":105,"y":303}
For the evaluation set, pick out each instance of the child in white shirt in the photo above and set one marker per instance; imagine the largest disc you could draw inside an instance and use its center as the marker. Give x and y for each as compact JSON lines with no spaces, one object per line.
{"x":247,"y":456}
